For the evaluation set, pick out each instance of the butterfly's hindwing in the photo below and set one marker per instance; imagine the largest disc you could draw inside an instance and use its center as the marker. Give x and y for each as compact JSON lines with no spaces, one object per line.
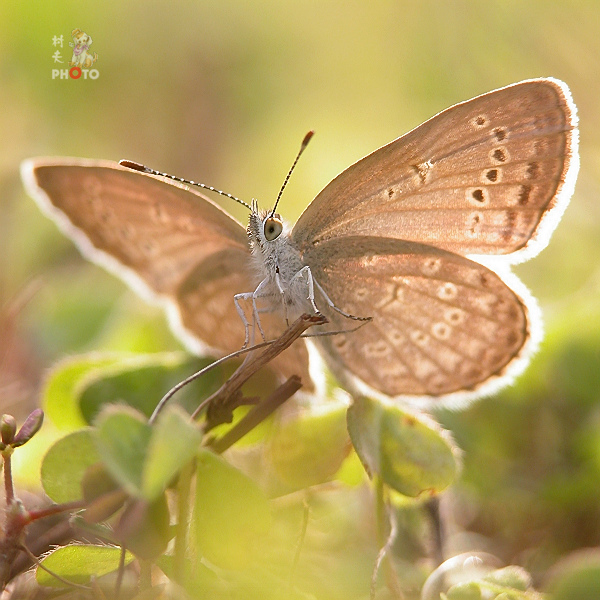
{"x":441,"y":323}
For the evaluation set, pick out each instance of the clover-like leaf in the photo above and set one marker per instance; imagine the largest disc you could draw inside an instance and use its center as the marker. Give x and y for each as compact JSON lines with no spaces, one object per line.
{"x":122,"y":438}
{"x":411,"y":455}
{"x":308,"y":447}
{"x":65,"y":464}
{"x":79,"y":563}
{"x":174,"y":442}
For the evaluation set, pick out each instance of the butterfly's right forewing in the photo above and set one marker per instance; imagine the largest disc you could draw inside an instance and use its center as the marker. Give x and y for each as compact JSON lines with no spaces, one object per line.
{"x":491,"y":175}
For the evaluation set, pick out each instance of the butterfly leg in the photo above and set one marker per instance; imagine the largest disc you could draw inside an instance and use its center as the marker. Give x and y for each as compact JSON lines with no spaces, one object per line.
{"x":339,"y":310}
{"x":311,"y":286}
{"x":240,"y":311}
{"x":282,"y":292}
{"x":255,"y":316}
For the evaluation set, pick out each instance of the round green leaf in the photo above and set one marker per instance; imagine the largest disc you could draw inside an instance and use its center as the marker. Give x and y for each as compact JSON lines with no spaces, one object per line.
{"x":308,"y":447}
{"x":410,"y":455}
{"x":140,"y":382}
{"x":144,"y":528}
{"x":64,"y":386}
{"x":65,"y":464}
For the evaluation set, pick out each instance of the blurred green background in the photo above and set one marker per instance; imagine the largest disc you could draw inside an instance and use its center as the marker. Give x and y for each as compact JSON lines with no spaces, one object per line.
{"x":222,"y":91}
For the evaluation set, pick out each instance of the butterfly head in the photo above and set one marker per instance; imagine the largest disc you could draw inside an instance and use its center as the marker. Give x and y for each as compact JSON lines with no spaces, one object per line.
{"x":264,"y":228}
{"x":272,"y":227}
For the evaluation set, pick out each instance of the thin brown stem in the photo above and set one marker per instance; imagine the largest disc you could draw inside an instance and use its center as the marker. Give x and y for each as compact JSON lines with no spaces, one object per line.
{"x":167,"y":397}
{"x":254,"y":362}
{"x":120,"y":572}
{"x":8,"y":482}
{"x":257,"y":414}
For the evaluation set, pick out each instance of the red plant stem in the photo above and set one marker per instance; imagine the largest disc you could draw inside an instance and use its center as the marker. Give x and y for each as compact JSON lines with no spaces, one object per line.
{"x":55,"y":509}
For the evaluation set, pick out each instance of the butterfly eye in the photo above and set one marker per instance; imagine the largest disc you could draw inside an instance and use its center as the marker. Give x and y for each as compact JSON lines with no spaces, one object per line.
{"x":273,"y":228}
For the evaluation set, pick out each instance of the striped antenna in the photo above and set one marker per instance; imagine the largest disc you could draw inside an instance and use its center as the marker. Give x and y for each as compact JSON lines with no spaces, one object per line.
{"x":287,"y":178}
{"x":143,"y":169}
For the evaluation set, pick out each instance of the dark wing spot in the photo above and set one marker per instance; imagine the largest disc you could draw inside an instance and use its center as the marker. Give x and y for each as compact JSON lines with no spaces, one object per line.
{"x":478,"y":195}
{"x":512,"y":338}
{"x":499,"y":155}
{"x":540,"y":147}
{"x":524,"y":193}
{"x":500,"y":134}
{"x":511,"y":220}
{"x":533,"y":170}
{"x":484,"y":280}
{"x":492,"y":175}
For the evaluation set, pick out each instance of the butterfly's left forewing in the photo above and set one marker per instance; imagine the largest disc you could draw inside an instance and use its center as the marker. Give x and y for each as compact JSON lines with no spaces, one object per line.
{"x":139,"y":225}
{"x":171,"y":244}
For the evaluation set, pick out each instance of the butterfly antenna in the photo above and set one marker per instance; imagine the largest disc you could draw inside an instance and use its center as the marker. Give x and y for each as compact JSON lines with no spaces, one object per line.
{"x":143,"y":169}
{"x":287,"y":178}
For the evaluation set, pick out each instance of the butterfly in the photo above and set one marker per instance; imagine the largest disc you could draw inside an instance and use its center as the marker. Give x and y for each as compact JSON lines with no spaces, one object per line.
{"x":416,"y":239}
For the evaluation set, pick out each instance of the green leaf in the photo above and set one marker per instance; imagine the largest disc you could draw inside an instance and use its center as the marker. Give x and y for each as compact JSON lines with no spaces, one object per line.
{"x":231,"y":514}
{"x":102,"y":494}
{"x":65,"y":464}
{"x":410,"y":455}
{"x":122,"y":439}
{"x":145,"y":459}
{"x":79,"y":388}
{"x":309,"y":446}
{"x":511,"y":577}
{"x":141,"y":381}
{"x":79,"y":563}
{"x":60,"y":398}
{"x":96,"y":482}
{"x":351,"y":472}
{"x":465,"y":591}
{"x":200,"y":582}
{"x":174,"y":442}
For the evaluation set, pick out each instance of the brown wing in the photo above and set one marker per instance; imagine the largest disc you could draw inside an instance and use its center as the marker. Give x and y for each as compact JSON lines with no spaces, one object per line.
{"x":442,"y":323}
{"x":482,"y":177}
{"x":170,"y":243}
